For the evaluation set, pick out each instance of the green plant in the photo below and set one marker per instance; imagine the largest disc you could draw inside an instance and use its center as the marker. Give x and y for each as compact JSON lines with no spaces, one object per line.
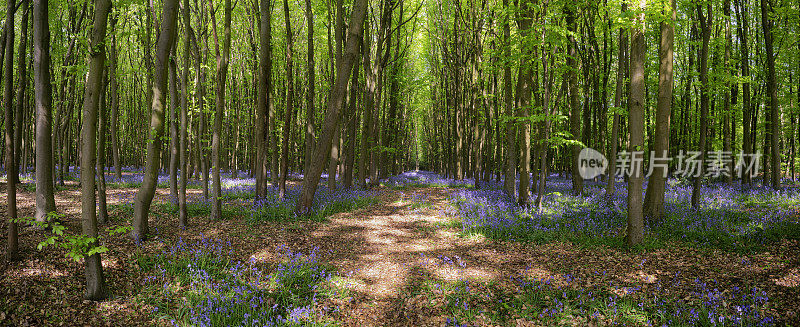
{"x":78,"y":246}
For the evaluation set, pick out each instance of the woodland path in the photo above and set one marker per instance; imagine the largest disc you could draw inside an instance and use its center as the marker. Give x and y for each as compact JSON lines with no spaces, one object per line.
{"x":389,"y":249}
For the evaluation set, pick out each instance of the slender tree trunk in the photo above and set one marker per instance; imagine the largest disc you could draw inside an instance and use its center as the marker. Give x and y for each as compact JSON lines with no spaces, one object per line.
{"x":654,"y":199}
{"x":222,"y":72}
{"x":574,"y":102}
{"x":524,"y":81}
{"x":333,"y":161}
{"x":95,"y":281}
{"x":43,"y":98}
{"x":742,"y":30}
{"x":705,"y":28}
{"x":264,"y":97}
{"x":636,"y":113}
{"x":112,"y":75}
{"x":173,"y":124}
{"x":289,"y":109}
{"x":19,"y":102}
{"x":144,"y":197}
{"x":509,"y":184}
{"x":729,"y":96}
{"x":548,"y":111}
{"x":352,"y":123}
{"x":100,"y":170}
{"x":369,"y":91}
{"x":183,"y":214}
{"x":310,"y":133}
{"x":12,"y":253}
{"x":335,"y":101}
{"x":622,"y":61}
{"x":772,"y":95}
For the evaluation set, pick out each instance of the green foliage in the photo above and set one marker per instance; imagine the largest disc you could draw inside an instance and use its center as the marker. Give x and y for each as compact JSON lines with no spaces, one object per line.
{"x":77,"y":246}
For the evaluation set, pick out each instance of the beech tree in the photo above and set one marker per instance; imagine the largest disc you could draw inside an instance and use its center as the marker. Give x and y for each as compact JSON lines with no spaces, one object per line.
{"x":656,"y":185}
{"x":11,"y":167}
{"x":335,"y":101}
{"x":144,"y":197}
{"x":635,"y":232}
{"x":95,"y":280}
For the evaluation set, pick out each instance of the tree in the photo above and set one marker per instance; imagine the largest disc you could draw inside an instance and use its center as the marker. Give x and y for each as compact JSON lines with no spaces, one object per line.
{"x":100,"y":169}
{"x":144,"y":197}
{"x":310,"y":133}
{"x":183,"y":214}
{"x":95,"y":280}
{"x":335,"y":101}
{"x":636,"y":120}
{"x":43,"y":99}
{"x":509,"y":183}
{"x":22,"y":86}
{"x":264,"y":97}
{"x":654,"y":198}
{"x":222,"y":72}
{"x":289,"y":106}
{"x":774,"y":129}
{"x":114,"y":85}
{"x":705,"y":29}
{"x":524,"y":81}
{"x":744,"y":54}
{"x":615,"y":124}
{"x":574,"y":102}
{"x":11,"y":167}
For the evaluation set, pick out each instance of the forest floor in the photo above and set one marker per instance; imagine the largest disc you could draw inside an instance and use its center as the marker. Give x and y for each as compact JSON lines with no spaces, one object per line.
{"x":400,"y":262}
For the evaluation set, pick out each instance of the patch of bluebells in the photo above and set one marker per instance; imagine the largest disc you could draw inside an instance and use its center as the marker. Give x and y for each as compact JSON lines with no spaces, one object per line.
{"x":729,"y":216}
{"x":423,"y":179}
{"x":567,"y":299}
{"x":326,"y":202}
{"x":196,"y":284}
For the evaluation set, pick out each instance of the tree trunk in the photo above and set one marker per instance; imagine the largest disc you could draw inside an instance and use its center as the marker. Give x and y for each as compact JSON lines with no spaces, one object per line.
{"x":11,"y":167}
{"x":742,"y":25}
{"x":369,"y":90}
{"x":310,"y":133}
{"x":112,"y":75}
{"x":100,"y":170}
{"x":574,"y":102}
{"x":772,"y":95}
{"x":183,"y":214}
{"x":289,"y":104}
{"x":352,"y":123}
{"x":43,"y":97}
{"x":705,"y":28}
{"x":524,"y":81}
{"x":264,"y":97}
{"x":615,"y":125}
{"x":654,"y":198}
{"x":95,"y":281}
{"x":335,"y":101}
{"x":222,"y":72}
{"x":635,"y":232}
{"x":22,"y":85}
{"x":509,"y":184}
{"x":144,"y":197}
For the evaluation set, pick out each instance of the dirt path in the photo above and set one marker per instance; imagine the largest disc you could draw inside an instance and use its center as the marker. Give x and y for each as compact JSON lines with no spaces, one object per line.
{"x":389,"y":249}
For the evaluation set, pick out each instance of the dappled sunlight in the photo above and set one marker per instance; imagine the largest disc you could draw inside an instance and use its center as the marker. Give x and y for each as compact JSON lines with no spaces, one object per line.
{"x":791,"y":279}
{"x":39,"y":272}
{"x":452,"y":274}
{"x":263,"y":256}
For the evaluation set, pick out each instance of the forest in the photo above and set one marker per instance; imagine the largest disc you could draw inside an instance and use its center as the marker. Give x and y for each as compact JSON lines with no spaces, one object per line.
{"x":400,"y":163}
